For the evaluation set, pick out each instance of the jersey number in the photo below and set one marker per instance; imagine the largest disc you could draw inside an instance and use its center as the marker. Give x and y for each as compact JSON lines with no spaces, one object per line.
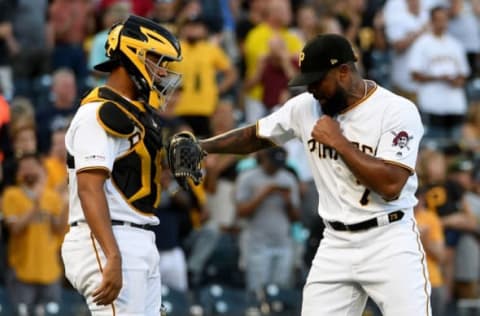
{"x":364,"y":200}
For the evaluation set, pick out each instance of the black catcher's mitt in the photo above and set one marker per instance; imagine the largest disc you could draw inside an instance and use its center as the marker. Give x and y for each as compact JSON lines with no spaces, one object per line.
{"x":184,"y":156}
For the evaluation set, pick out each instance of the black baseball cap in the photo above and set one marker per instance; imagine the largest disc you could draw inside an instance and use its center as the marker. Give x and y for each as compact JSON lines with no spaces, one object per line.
{"x":324,"y":52}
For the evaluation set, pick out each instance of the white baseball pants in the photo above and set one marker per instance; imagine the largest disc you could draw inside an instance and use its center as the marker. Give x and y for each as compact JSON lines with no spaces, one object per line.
{"x":386,"y":263}
{"x":141,"y":292}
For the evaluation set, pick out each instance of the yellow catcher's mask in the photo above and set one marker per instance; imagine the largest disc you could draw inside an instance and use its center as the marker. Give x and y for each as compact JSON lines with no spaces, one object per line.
{"x":145,"y":49}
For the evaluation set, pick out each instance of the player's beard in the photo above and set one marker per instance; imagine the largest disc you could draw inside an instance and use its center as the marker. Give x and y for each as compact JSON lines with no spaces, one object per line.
{"x":336,"y":103}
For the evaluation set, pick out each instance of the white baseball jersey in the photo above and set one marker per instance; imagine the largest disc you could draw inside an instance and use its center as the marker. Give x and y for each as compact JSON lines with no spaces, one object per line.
{"x":383,"y":125}
{"x":92,"y":147}
{"x":439,"y":56}
{"x":350,"y":266}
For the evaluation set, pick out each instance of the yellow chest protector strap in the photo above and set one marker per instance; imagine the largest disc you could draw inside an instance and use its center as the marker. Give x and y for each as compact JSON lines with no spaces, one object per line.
{"x":116,"y":115}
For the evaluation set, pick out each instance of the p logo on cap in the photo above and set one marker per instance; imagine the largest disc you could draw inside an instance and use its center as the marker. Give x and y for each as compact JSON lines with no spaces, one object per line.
{"x":300,"y":59}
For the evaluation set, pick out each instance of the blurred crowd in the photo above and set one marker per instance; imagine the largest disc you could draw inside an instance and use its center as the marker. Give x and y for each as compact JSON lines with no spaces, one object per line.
{"x":252,"y":225}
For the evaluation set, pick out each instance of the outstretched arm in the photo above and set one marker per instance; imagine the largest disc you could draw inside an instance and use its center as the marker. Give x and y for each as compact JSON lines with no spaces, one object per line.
{"x":238,"y":141}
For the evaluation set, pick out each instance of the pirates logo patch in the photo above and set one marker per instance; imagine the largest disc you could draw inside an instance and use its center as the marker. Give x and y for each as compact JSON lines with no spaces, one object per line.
{"x":401,"y":141}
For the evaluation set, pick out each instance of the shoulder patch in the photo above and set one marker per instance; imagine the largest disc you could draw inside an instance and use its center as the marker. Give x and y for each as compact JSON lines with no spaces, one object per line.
{"x":115,"y":120}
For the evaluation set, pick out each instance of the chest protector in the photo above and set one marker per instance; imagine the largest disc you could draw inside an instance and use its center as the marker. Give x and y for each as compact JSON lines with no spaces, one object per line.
{"x":136,"y":174}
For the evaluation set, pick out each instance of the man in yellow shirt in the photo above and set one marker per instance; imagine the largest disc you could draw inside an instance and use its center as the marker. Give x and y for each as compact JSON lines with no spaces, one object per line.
{"x":33,"y":216}
{"x":278,"y":17}
{"x":202,"y":63}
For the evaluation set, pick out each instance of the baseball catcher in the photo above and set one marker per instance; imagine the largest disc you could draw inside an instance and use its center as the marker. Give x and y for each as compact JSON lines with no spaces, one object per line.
{"x":116,"y":147}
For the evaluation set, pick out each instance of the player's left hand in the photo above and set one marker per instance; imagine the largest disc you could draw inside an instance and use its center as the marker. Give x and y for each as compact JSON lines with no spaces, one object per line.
{"x":327,"y":131}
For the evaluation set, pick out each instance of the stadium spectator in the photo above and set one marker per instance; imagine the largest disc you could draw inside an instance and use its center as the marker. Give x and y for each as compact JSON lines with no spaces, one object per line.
{"x":189,"y":9}
{"x":221,"y":172}
{"x":71,"y":22}
{"x":22,"y":114}
{"x":229,"y":11}
{"x":22,"y":111}
{"x":329,"y":23}
{"x":33,"y":217}
{"x":164,"y":12}
{"x":433,"y":241}
{"x":115,"y":13}
{"x":254,"y":15}
{"x":470,"y":138}
{"x":307,"y":22}
{"x":277,"y":19}
{"x":473,"y":193}
{"x":8,"y":46}
{"x":464,"y":27}
{"x":273,"y":72}
{"x":139,"y":7}
{"x":55,"y":162}
{"x":308,"y":191}
{"x":467,"y":257}
{"x":31,"y":59}
{"x":60,"y":110}
{"x":267,"y":196}
{"x":174,"y":205}
{"x":23,"y":139}
{"x":439,"y":65}
{"x":350,"y":17}
{"x":202,"y":63}
{"x":200,"y":237}
{"x":476,"y":9}
{"x":380,"y":58}
{"x":403,"y":25}
{"x":446,"y":198}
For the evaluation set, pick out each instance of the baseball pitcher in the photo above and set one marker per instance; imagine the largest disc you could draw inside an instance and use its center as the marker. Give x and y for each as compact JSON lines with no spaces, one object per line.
{"x":362,"y":142}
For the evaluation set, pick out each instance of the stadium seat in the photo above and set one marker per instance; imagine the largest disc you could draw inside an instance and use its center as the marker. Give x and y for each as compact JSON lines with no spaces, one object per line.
{"x":218,"y":299}
{"x":72,"y":303}
{"x":222,"y":267}
{"x":176,"y":303}
{"x":275,"y":300}
{"x":468,"y":307}
{"x":5,"y":307}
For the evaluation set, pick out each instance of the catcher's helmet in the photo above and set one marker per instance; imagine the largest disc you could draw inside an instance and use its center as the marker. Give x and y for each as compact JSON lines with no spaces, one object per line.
{"x":144,"y":48}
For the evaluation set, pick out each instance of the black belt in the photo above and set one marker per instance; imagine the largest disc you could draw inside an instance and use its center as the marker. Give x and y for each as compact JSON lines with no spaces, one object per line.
{"x":371,"y":223}
{"x":116,"y":223}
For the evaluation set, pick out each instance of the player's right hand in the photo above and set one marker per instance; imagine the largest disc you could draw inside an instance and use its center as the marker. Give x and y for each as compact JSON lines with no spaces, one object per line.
{"x":111,"y":284}
{"x":327,"y":131}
